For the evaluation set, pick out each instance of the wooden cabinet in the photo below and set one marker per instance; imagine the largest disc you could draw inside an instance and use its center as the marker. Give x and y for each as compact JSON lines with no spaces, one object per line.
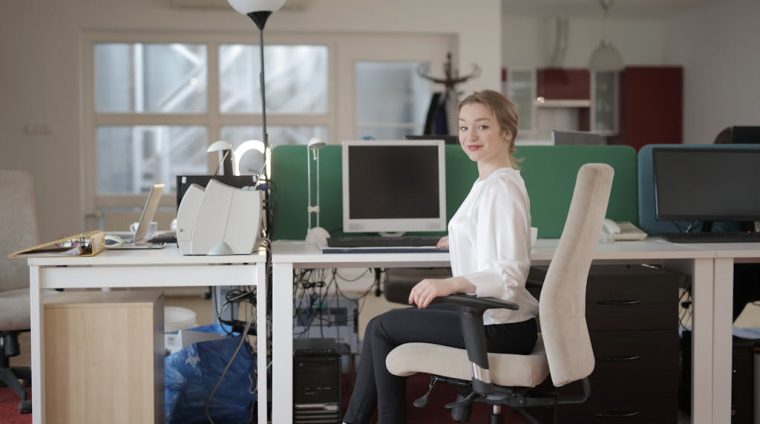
{"x":104,"y":357}
{"x":651,"y":105}
{"x":638,"y":106}
{"x":632,"y":314}
{"x":563,"y":84}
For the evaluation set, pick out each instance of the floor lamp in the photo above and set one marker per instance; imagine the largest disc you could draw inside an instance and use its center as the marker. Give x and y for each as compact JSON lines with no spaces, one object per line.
{"x":259,"y":11}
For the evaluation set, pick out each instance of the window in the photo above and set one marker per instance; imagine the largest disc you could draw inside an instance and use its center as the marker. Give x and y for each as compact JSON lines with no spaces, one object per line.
{"x":153,"y":107}
{"x":391,"y":99}
{"x":153,"y":102}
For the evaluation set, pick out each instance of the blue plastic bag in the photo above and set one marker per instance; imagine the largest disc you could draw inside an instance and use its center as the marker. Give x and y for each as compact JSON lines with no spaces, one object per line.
{"x":193,"y":372}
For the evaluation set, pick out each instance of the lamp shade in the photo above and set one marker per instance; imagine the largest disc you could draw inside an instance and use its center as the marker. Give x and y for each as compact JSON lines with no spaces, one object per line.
{"x":249,"y":6}
{"x":606,"y":58}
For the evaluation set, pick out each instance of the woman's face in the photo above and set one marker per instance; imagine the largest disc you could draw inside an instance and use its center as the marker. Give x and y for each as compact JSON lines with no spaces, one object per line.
{"x":480,"y":135}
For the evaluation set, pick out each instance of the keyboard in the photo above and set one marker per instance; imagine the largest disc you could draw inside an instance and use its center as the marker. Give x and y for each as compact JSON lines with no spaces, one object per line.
{"x":730,"y":237}
{"x":164,"y":237}
{"x":378,"y":241}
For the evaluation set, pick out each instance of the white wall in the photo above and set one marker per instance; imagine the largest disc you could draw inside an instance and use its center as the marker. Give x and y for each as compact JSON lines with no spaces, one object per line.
{"x":41,"y":75}
{"x":528,"y":41}
{"x":717,"y":44}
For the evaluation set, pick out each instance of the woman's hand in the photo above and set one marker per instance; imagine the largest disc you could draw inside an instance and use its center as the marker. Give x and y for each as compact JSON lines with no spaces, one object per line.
{"x":443,"y":243}
{"x":428,"y":289}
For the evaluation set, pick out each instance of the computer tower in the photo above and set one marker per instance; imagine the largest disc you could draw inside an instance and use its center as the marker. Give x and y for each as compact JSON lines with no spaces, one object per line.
{"x":316,"y":381}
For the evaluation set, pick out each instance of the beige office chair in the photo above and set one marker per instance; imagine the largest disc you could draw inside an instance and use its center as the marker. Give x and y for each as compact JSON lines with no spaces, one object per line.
{"x":563,"y":349}
{"x":18,"y":229}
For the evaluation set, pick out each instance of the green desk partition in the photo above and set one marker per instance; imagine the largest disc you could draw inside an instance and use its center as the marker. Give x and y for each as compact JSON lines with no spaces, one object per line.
{"x":549,"y":173}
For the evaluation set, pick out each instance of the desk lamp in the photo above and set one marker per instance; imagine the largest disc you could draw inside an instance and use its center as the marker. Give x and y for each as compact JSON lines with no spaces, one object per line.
{"x":251,"y":158}
{"x":225,"y":156}
{"x":316,"y":236}
{"x":259,"y":11}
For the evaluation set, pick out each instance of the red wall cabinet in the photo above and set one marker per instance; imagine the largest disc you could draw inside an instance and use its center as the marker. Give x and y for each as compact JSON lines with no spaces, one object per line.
{"x":651,"y":106}
{"x":563,"y":84}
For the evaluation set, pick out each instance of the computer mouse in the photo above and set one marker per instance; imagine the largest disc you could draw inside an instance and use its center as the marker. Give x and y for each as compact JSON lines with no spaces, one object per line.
{"x":113,"y":240}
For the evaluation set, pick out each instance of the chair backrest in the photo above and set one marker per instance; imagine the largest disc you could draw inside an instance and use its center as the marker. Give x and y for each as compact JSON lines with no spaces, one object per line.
{"x":562,"y":306}
{"x":18,"y":226}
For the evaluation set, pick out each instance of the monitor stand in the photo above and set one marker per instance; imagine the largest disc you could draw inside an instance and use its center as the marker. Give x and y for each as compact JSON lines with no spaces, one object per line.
{"x":707,"y":226}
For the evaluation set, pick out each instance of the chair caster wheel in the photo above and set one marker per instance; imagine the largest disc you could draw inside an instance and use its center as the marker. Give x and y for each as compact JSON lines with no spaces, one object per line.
{"x":461,"y":414}
{"x":25,"y":407}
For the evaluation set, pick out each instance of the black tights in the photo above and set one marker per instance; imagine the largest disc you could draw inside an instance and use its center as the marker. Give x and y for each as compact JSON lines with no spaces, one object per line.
{"x":376,"y":387}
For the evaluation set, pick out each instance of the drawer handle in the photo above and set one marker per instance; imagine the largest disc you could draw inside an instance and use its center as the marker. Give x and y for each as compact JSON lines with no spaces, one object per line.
{"x":618,"y":302}
{"x":620,"y":358}
{"x":617,"y":413}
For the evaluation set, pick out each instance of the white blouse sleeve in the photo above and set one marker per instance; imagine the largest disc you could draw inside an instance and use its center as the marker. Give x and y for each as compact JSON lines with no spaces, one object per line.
{"x":502,"y":246}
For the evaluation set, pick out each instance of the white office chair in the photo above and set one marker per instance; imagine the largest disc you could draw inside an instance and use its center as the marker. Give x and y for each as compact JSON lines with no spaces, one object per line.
{"x":18,"y":230}
{"x":563,"y":349}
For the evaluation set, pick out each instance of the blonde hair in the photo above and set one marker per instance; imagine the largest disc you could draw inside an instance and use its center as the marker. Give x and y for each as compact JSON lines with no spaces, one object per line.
{"x":505,"y":112}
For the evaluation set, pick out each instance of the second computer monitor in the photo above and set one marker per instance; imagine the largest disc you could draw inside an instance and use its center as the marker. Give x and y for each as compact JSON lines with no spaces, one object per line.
{"x":394,"y":186}
{"x":707,"y":184}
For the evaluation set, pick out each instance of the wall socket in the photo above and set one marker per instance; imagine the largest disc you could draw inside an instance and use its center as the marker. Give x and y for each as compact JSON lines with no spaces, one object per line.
{"x":38,"y":129}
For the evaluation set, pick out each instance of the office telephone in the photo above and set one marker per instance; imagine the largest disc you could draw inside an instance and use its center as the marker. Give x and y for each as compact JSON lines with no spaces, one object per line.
{"x":623,"y":230}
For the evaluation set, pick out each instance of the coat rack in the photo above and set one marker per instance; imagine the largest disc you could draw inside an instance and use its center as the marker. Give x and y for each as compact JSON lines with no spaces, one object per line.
{"x":450,"y":98}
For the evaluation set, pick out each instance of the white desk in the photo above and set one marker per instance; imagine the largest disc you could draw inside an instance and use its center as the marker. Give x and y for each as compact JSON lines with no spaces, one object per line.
{"x":697,"y":261}
{"x":142,"y":268}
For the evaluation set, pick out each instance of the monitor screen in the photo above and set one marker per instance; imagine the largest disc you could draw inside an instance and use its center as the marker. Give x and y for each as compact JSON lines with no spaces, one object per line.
{"x":707,"y":184}
{"x":394,"y":186}
{"x":570,"y":138}
{"x":746,"y":135}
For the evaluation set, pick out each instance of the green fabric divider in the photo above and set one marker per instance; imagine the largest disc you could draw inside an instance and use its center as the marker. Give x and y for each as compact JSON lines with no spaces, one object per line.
{"x":549,"y":173}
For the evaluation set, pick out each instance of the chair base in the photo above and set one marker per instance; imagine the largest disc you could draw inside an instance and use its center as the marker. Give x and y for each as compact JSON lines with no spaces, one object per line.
{"x":9,"y":377}
{"x":515,"y":398}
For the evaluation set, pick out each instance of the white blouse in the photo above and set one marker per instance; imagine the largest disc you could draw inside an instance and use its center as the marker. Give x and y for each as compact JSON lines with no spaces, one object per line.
{"x":489,"y":243}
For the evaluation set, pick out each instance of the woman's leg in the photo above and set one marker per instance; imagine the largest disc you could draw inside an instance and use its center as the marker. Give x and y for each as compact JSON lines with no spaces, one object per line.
{"x":383,"y":334}
{"x":376,"y":386}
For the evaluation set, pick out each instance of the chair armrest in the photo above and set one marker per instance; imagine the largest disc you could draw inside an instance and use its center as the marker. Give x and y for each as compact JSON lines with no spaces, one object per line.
{"x":475,"y":303}
{"x":471,"y":311}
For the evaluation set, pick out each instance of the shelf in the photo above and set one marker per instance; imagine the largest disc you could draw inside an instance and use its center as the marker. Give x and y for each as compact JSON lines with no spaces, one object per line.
{"x":562,"y":103}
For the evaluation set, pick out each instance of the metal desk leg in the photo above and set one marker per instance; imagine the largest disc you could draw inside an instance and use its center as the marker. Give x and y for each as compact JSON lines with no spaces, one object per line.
{"x":723,"y":300}
{"x":37,"y":324}
{"x":282,"y":343}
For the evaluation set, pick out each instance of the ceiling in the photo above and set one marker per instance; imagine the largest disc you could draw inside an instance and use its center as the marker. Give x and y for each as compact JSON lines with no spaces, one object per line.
{"x":592,"y":8}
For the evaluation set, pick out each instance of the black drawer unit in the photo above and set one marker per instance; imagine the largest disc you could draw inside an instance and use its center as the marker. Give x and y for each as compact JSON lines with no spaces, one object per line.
{"x":632,"y":315}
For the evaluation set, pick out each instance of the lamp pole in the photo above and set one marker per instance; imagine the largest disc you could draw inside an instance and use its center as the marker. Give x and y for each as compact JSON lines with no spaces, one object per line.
{"x":259,"y":11}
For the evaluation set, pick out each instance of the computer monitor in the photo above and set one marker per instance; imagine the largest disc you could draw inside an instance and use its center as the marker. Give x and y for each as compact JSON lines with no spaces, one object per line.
{"x":394,"y":186}
{"x":707,"y":184}
{"x":746,"y":135}
{"x":569,"y":138}
{"x":448,"y":139}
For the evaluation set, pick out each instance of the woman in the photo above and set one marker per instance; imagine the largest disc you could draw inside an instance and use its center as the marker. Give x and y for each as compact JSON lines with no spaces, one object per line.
{"x":489,"y":244}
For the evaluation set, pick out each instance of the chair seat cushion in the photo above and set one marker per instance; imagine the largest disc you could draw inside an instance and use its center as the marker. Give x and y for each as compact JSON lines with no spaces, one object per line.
{"x":506,"y":369}
{"x":14,"y":310}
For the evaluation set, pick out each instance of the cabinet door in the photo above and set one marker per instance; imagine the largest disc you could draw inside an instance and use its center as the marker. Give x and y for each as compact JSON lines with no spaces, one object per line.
{"x":651,"y":105}
{"x":563,"y":84}
{"x":604,"y":102}
{"x":521,"y":89}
